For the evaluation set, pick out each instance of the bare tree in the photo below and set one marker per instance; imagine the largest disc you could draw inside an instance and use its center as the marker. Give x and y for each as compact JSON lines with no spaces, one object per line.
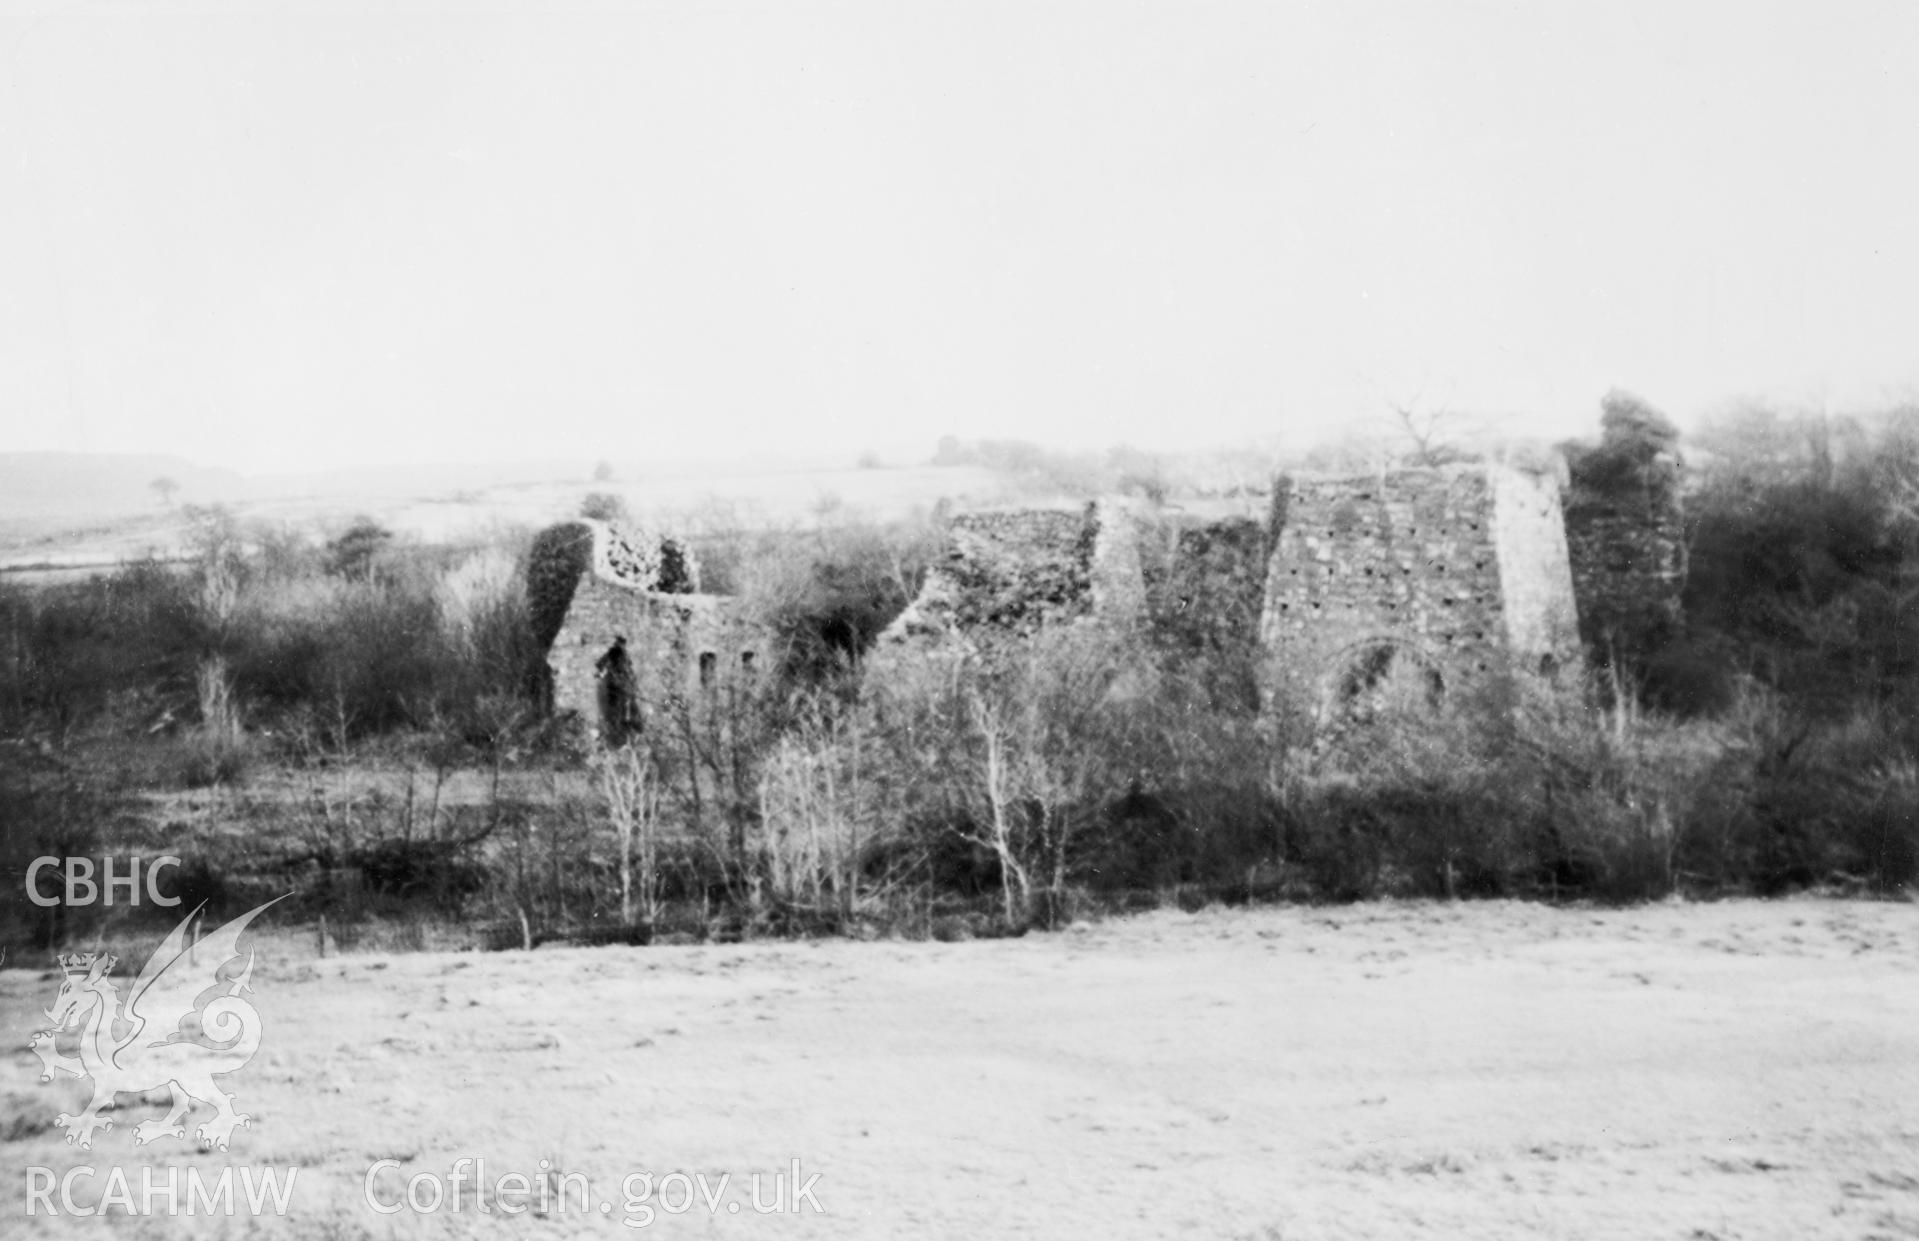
{"x":1001,"y":830}
{"x":1433,"y":429}
{"x":632,"y":793}
{"x":1054,"y":732}
{"x":166,"y":488}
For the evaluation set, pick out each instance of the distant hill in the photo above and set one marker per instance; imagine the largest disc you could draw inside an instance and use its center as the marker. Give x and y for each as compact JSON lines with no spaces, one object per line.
{"x":68,"y":513}
{"x":44,"y":484}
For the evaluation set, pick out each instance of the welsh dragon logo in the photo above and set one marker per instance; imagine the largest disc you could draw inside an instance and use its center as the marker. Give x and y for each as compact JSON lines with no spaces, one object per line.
{"x":152,"y":1040}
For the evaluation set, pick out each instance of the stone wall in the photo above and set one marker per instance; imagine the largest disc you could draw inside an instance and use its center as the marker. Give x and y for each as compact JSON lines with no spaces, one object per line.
{"x":681,"y":645}
{"x":1006,"y":571}
{"x":1205,"y":584}
{"x":1209,"y":593}
{"x":1402,"y":562}
{"x":1413,"y":579}
{"x":1539,"y":597}
{"x":1626,"y":530}
{"x":1446,"y":573}
{"x":1627,"y":542}
{"x":1452,"y":572}
{"x":1016,"y":570}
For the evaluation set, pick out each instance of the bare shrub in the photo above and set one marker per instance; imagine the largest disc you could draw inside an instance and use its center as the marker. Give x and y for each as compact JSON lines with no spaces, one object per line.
{"x":828,"y":591}
{"x":1614,"y":788}
{"x":1524,"y":786}
{"x":217,"y":751}
{"x":817,"y":816}
{"x":604,"y":506}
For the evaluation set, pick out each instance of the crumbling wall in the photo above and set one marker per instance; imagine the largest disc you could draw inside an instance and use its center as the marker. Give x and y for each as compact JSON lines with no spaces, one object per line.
{"x":1006,"y":572}
{"x":644,"y":560}
{"x":560,"y":557}
{"x":678,"y":643}
{"x":563,"y":555}
{"x":1016,"y":570}
{"x":1443,"y":574}
{"x":1626,"y":531}
{"x":1626,"y":534}
{"x":1205,"y":590}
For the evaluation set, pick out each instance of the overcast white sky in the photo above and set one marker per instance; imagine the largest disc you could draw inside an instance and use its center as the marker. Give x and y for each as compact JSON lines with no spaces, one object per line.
{"x":280,"y":236}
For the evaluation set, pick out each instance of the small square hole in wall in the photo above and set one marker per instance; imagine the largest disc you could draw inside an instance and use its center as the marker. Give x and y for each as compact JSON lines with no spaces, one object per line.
{"x":746,"y":661}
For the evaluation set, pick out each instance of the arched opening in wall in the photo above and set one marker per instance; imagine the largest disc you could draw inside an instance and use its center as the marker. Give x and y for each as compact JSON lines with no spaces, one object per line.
{"x":618,"y":694}
{"x":1382,"y":677}
{"x":709,"y":665}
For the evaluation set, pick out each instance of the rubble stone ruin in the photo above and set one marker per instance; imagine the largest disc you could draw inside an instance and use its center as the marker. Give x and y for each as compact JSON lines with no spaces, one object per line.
{"x":628,"y":633}
{"x":1338,"y":594}
{"x":1407,"y":581}
{"x":1625,"y":532}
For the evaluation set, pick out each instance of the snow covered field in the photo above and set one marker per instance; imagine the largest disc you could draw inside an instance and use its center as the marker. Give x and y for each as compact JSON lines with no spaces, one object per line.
{"x":1734,"y":1070}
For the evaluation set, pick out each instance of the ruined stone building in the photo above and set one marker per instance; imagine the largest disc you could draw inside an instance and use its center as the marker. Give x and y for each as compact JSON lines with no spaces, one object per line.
{"x":1335,"y":591}
{"x":629,"y":636}
{"x":1424,"y":578}
{"x":1192,"y":580}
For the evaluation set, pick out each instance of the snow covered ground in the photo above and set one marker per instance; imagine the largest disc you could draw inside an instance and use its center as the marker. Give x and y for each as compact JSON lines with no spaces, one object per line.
{"x":1734,"y":1070}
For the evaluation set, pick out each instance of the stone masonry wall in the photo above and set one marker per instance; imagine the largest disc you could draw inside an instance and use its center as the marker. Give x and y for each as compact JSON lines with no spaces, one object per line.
{"x":1409,"y":561}
{"x":1204,"y":591}
{"x":1006,"y":571}
{"x":1537,"y":592}
{"x":1452,"y":573}
{"x":1628,"y":552}
{"x":679,"y":644}
{"x":1207,"y":596}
